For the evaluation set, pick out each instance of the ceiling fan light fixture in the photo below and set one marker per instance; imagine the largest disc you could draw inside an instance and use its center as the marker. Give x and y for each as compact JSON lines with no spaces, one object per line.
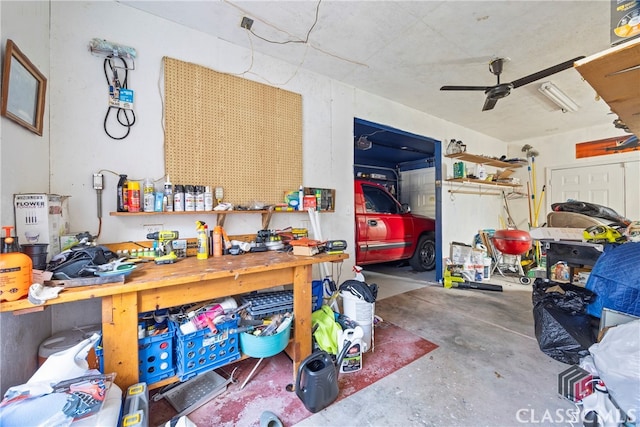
{"x":558,"y":97}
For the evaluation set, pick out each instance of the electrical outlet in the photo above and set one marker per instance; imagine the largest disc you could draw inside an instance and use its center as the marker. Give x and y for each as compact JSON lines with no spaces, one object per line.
{"x":246,"y":23}
{"x":152,"y":228}
{"x":97,"y":181}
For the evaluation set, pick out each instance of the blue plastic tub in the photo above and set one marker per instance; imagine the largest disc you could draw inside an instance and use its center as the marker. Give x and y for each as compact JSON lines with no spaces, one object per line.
{"x":257,"y":346}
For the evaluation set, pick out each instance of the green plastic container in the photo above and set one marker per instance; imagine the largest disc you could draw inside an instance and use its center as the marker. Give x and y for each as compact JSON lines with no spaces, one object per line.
{"x":257,"y":346}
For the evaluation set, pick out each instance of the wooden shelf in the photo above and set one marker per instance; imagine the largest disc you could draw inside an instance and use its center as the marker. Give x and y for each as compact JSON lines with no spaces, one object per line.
{"x":488,"y":161}
{"x":483,"y":182}
{"x":613,"y":75}
{"x":221,"y":215}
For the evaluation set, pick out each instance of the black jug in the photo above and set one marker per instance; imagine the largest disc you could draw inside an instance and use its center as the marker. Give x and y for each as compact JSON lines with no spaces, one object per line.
{"x":317,"y":380}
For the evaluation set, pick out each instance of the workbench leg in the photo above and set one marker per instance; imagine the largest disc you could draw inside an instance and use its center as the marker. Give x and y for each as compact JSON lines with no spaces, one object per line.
{"x":302,"y":294}
{"x":120,"y":337}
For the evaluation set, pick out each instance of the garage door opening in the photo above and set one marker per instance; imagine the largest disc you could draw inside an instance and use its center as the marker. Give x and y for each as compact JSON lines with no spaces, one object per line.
{"x":408,"y":166}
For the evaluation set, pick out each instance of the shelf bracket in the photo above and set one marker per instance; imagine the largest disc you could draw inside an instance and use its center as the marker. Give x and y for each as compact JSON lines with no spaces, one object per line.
{"x":221,"y":217}
{"x":266,"y":218}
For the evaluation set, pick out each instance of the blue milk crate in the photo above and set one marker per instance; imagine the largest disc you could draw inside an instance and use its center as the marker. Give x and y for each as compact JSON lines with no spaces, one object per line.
{"x":202,"y":351}
{"x":155,"y":356}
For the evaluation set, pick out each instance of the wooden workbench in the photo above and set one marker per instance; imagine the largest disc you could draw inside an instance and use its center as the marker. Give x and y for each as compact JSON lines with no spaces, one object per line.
{"x":153,"y":286}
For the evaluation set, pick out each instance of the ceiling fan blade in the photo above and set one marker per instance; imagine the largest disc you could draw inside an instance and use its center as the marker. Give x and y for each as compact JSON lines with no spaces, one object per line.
{"x":544,"y":73}
{"x":482,"y":88}
{"x":489,"y":103}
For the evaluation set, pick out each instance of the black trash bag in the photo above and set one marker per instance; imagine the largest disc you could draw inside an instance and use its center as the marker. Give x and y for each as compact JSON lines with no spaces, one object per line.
{"x":80,"y":261}
{"x":563,"y":329}
{"x":362,"y":290}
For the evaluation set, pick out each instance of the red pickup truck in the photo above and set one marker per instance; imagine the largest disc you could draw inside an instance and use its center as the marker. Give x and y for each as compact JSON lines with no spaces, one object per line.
{"x":387,"y":231}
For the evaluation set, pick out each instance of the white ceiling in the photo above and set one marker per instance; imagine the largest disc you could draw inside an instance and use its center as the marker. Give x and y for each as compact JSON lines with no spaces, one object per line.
{"x":406,"y":50}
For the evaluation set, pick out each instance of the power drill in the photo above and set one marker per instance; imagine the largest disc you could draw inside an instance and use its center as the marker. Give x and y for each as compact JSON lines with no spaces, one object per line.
{"x":164,"y":239}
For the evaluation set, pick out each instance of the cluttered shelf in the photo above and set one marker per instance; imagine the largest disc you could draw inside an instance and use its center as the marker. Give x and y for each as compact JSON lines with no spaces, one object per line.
{"x":483,"y":182}
{"x":221,"y":215}
{"x":263,"y":211}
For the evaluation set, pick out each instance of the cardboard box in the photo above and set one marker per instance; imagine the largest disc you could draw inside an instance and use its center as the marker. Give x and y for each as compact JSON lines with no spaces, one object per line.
{"x":575,"y":383}
{"x":625,"y":20}
{"x":41,"y":218}
{"x":305,"y":250}
{"x":460,"y":253}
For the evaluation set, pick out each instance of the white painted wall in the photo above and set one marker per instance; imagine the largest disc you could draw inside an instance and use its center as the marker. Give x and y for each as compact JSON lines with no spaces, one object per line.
{"x":24,"y":158}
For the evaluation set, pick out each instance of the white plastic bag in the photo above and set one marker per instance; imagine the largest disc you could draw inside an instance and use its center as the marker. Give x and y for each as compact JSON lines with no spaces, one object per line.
{"x":617,"y":358}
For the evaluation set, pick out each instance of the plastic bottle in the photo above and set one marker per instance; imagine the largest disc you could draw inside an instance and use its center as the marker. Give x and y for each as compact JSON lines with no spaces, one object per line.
{"x":217,"y":241}
{"x":481,"y":172}
{"x":168,"y":192}
{"x":208,"y":199}
{"x":133,"y":192}
{"x":203,"y":240}
{"x":189,"y":198}
{"x":178,"y":198}
{"x":149,"y":196}
{"x":301,"y":199}
{"x":352,"y":360}
{"x":122,"y":193}
{"x":15,"y":271}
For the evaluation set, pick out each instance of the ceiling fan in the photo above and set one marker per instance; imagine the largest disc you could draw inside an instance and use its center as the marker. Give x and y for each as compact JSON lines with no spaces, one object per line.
{"x":500,"y":90}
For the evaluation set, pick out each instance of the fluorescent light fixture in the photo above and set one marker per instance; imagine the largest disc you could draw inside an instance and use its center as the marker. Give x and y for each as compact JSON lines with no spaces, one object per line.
{"x":558,"y":97}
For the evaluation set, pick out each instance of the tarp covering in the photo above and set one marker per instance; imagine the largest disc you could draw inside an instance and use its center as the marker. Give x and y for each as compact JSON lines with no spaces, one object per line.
{"x":615,"y":279}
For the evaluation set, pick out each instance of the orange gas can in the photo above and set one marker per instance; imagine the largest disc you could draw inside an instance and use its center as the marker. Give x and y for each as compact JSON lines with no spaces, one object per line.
{"x":15,"y":276}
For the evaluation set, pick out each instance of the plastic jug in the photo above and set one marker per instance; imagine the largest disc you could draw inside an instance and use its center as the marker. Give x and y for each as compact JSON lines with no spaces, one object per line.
{"x":317,"y":381}
{"x":15,"y":270}
{"x":352,"y":339}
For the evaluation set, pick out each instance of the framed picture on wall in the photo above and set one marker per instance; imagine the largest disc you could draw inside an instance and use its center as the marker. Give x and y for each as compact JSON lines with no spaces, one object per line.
{"x":23,"y":90}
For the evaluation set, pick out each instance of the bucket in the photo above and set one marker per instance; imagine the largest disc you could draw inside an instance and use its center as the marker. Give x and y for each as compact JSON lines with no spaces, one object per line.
{"x":362,"y":313}
{"x":64,"y":340}
{"x":38,"y":254}
{"x":257,"y":346}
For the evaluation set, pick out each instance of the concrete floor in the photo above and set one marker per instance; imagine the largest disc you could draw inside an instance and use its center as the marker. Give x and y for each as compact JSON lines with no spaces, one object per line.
{"x":487,"y":371}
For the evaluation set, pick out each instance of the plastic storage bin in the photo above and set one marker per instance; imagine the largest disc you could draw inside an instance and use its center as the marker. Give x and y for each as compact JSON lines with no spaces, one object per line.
{"x":202,"y":351}
{"x":258,"y":347}
{"x":155,"y":355}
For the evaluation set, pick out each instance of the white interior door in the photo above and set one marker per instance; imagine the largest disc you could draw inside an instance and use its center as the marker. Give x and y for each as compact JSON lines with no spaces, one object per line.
{"x":418,"y":188}
{"x":600,"y":184}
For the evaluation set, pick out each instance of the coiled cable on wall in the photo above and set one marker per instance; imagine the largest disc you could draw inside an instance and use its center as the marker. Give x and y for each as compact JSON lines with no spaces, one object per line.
{"x":122,"y":114}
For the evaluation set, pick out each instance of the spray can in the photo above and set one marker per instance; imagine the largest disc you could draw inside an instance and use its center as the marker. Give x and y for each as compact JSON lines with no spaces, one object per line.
{"x":189,"y":198}
{"x":178,"y":198}
{"x":133,"y":196}
{"x":168,"y":193}
{"x":199,"y":198}
{"x":203,"y":240}
{"x":149,"y":196}
{"x":208,"y":199}
{"x":352,"y":360}
{"x":217,"y":241}
{"x":122,"y":194}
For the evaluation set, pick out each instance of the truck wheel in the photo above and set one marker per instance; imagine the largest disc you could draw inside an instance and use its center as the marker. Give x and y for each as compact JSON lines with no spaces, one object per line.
{"x":424,"y":257}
